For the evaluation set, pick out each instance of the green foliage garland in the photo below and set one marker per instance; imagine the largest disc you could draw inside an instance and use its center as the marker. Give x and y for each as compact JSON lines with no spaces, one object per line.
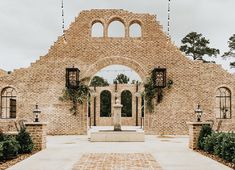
{"x":151,"y":92}
{"x":76,"y":96}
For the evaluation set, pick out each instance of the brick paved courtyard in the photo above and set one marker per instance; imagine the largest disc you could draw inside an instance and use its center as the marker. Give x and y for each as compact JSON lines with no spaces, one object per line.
{"x":71,"y":152}
{"x":117,"y":161}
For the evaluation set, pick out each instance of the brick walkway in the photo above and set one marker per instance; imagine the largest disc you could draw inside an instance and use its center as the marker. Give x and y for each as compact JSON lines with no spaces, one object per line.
{"x":117,"y":161}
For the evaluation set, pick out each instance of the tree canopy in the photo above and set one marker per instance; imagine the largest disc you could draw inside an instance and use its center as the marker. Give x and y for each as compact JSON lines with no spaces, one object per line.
{"x":231,"y":52}
{"x":196,"y":46}
{"x":99,"y":81}
{"x":122,"y":79}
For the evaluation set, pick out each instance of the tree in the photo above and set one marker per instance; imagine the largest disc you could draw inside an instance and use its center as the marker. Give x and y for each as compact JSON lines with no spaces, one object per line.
{"x":196,"y":46}
{"x":122,"y":79}
{"x":231,"y":52}
{"x":99,"y":81}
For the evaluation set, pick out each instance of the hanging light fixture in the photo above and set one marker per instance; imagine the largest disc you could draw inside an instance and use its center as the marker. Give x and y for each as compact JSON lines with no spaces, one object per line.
{"x":72,"y":77}
{"x":159,"y":77}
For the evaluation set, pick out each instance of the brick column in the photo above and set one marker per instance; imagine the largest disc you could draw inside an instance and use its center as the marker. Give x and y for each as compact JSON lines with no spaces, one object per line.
{"x":38,"y":132}
{"x":194,"y":130}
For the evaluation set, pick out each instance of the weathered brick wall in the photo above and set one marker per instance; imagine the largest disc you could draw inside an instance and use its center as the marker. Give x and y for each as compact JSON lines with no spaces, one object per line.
{"x":44,"y":80}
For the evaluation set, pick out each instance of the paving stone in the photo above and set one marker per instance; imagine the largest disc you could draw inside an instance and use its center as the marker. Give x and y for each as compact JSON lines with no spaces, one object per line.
{"x":117,"y":161}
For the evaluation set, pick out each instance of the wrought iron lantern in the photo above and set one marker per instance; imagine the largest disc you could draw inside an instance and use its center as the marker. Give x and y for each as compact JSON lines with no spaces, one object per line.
{"x":72,"y":77}
{"x":36,"y":112}
{"x":198,"y":113}
{"x":159,"y":77}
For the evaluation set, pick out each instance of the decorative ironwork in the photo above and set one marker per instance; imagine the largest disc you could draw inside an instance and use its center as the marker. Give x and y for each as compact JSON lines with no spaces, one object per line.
{"x":72,"y":77}
{"x":8,"y":103}
{"x":223,"y":103}
{"x":159,"y":77}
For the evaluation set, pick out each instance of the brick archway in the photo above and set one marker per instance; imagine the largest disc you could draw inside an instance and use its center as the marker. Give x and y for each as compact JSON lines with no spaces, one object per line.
{"x":104,"y":62}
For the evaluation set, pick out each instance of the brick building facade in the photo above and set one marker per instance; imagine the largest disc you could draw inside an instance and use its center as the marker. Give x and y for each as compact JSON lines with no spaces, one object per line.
{"x":194,"y":82}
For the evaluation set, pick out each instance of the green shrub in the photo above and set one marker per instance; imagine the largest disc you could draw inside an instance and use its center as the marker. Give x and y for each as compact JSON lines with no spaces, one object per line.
{"x":210,"y":142}
{"x":25,"y":141}
{"x":205,"y":131}
{"x":2,"y":136}
{"x":218,"y":144}
{"x":1,"y":150}
{"x":10,"y":149}
{"x":228,"y":147}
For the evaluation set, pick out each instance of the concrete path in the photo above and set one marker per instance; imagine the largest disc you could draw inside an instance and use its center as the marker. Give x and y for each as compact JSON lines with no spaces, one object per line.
{"x":171,"y":153}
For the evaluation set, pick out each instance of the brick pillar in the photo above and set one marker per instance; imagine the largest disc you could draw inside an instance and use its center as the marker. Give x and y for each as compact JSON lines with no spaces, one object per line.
{"x":194,"y":130}
{"x":38,"y":132}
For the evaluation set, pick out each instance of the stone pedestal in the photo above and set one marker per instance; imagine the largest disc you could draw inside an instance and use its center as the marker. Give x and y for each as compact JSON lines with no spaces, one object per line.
{"x":117,"y":115}
{"x":38,"y":132}
{"x":194,"y":130}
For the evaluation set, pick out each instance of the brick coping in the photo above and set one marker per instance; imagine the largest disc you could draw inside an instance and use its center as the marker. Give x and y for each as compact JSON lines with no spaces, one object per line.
{"x":36,"y":123}
{"x":198,"y":123}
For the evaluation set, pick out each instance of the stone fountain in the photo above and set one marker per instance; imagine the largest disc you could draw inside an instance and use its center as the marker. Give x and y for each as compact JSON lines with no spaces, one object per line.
{"x":117,"y":134}
{"x":117,"y":116}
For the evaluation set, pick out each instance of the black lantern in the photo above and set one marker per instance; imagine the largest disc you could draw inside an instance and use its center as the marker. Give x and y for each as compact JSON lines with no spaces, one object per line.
{"x":36,"y":112}
{"x":72,"y":77}
{"x":198,"y":113}
{"x":159,"y":77}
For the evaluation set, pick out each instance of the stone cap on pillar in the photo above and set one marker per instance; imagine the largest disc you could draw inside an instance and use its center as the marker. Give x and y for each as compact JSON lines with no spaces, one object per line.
{"x":36,"y":123}
{"x":198,"y":123}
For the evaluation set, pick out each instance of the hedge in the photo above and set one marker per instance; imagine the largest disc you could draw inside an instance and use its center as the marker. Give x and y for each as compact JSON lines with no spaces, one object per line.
{"x":221,"y":144}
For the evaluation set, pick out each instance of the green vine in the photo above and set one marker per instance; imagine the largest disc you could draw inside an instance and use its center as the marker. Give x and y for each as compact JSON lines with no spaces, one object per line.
{"x":149,"y":94}
{"x":76,"y":96}
{"x":152,"y":92}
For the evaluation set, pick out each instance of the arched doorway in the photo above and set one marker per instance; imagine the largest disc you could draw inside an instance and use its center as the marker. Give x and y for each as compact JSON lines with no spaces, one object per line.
{"x":109,"y":84}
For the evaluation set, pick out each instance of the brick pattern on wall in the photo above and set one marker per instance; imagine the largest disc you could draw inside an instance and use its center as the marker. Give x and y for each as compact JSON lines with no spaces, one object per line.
{"x":38,"y":132}
{"x":194,"y":131}
{"x":194,"y":82}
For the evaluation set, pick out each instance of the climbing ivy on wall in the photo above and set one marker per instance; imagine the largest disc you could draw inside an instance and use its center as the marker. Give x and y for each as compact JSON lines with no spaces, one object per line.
{"x":152,"y":92}
{"x":75,"y":95}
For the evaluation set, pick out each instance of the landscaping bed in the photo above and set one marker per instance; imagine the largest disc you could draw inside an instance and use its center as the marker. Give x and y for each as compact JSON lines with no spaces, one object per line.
{"x":219,"y":146}
{"x":14,"y":148}
{"x":8,"y":163}
{"x":217,"y":158}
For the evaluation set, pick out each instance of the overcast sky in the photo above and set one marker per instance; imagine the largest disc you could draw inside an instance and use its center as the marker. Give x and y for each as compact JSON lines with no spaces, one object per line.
{"x":28,"y":28}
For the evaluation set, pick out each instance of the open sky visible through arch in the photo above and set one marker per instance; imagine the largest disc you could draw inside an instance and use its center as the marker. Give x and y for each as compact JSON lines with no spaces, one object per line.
{"x":109,"y":73}
{"x":28,"y":28}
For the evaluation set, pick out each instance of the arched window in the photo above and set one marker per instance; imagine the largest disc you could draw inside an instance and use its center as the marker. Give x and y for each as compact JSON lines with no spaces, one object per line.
{"x":126,"y":101}
{"x":97,"y":30}
{"x":116,"y":29}
{"x":223,"y":103}
{"x":8,"y":103}
{"x":105,"y":103}
{"x":135,"y":30}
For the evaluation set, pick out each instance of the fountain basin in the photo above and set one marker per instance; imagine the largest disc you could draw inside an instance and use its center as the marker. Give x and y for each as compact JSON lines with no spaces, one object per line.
{"x":117,"y":136}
